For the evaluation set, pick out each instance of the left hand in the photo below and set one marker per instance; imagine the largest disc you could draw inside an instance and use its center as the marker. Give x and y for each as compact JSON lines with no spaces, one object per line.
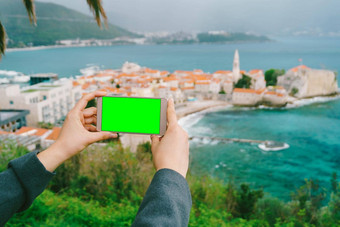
{"x":76,"y":134}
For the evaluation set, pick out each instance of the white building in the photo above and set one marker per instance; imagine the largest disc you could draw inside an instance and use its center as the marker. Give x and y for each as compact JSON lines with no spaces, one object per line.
{"x":236,"y":67}
{"x":246,"y":97}
{"x":47,"y":102}
{"x":257,"y":79}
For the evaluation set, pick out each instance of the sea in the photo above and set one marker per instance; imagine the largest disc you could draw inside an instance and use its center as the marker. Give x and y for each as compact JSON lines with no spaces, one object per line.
{"x":310,"y":127}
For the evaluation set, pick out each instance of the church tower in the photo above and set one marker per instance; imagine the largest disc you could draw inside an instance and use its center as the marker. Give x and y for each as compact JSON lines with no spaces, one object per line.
{"x":236,"y":67}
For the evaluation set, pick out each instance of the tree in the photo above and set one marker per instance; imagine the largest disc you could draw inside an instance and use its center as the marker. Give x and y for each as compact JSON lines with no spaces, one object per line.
{"x":246,"y":201}
{"x":294,"y":91}
{"x":222,"y":92}
{"x":244,"y":82}
{"x":334,"y":182}
{"x":271,"y":76}
{"x":95,"y":7}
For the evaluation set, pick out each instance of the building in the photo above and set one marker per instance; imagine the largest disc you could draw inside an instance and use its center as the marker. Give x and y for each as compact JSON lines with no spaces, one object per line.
{"x":247,"y":97}
{"x":46,"y":102}
{"x":257,"y":79}
{"x":303,"y":81}
{"x":236,"y":67}
{"x":11,"y":120}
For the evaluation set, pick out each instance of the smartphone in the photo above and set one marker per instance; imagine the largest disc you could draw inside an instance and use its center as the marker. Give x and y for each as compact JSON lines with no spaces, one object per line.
{"x":133,"y":115}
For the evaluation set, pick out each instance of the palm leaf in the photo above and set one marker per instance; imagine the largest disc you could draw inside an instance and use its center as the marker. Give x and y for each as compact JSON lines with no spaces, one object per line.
{"x":97,"y":10}
{"x":2,"y":40}
{"x":29,"y":4}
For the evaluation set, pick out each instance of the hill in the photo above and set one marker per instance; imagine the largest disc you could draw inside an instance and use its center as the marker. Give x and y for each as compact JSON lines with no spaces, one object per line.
{"x":224,"y":37}
{"x":54,"y":22}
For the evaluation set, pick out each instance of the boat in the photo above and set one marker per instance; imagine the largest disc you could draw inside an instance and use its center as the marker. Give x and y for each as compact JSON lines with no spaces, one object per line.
{"x":273,"y":146}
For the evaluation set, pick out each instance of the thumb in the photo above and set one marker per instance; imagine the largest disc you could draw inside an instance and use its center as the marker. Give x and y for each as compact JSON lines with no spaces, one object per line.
{"x":98,"y":136}
{"x":154,"y":141}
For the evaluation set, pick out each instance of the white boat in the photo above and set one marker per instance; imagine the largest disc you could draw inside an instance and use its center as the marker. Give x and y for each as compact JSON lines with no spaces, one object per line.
{"x":89,"y":71}
{"x":273,"y":146}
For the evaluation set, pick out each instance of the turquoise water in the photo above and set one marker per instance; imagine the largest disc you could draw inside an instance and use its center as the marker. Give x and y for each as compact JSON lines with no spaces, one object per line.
{"x":313,"y":131}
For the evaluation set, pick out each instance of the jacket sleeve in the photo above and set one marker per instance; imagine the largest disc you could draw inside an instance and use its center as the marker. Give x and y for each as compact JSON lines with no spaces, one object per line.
{"x":20,"y":184}
{"x":167,"y":201}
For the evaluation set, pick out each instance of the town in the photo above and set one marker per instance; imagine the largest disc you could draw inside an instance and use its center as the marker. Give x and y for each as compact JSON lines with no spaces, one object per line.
{"x":33,"y":110}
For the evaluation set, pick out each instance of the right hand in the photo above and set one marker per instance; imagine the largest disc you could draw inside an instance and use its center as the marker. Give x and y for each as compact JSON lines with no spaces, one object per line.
{"x":172,"y":150}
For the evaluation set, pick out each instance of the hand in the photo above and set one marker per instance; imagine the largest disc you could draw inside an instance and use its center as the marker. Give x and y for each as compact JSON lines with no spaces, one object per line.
{"x":76,"y":134}
{"x":172,"y":150}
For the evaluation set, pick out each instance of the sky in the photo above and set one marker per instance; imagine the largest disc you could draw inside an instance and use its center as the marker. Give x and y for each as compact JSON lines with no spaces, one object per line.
{"x":256,"y":16}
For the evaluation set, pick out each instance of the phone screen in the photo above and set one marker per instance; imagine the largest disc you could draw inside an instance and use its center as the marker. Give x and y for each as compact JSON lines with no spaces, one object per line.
{"x":133,"y":115}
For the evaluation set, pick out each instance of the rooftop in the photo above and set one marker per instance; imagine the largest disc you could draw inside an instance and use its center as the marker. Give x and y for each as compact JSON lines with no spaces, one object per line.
{"x":9,"y":115}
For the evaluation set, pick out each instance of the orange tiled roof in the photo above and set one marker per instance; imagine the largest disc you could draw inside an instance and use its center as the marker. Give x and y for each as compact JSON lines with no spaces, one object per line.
{"x":54,"y":134}
{"x":188,"y":88}
{"x":246,"y":90}
{"x":3,"y":132}
{"x":75,"y":83}
{"x":202,"y":82}
{"x":173,"y":88}
{"x":299,"y":67}
{"x":255,"y":71}
{"x":39,"y":131}
{"x":85,"y":86}
{"x":223,"y":72}
{"x":274,"y":93}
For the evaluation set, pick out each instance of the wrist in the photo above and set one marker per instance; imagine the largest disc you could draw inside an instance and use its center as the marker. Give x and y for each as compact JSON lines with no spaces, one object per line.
{"x":52,"y":157}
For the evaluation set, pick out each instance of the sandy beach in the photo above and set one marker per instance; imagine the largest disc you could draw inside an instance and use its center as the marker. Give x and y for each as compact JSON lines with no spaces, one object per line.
{"x":197,"y":106}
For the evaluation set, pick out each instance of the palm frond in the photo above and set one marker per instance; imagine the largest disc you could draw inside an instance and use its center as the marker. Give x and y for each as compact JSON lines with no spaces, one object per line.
{"x":98,"y":10}
{"x":2,"y":40}
{"x":29,"y":4}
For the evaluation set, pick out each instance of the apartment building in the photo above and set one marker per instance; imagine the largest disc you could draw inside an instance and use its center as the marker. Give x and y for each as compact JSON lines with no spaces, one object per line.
{"x":46,"y":102}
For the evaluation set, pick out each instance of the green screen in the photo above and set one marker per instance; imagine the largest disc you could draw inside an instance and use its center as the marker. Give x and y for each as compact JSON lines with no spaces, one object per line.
{"x":135,"y":115}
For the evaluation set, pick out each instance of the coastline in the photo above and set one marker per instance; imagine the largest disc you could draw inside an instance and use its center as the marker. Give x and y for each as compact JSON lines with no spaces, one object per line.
{"x":199,"y":106}
{"x":41,"y":48}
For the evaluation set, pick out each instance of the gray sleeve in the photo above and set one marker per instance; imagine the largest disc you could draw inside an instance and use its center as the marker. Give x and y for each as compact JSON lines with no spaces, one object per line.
{"x":167,"y":201}
{"x":20,"y":184}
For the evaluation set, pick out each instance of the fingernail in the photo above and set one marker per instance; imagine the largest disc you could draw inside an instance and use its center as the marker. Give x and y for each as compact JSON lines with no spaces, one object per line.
{"x":113,"y":135}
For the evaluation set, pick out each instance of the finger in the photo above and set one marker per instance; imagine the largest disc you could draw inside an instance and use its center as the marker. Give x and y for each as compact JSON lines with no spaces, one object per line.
{"x":171,"y":113}
{"x":98,"y":136}
{"x":91,"y":120}
{"x":91,"y":128}
{"x":88,"y":112}
{"x":81,"y":104}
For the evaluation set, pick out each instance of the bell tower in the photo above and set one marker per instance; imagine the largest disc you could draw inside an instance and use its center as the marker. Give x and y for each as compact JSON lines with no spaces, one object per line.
{"x":236,"y":67}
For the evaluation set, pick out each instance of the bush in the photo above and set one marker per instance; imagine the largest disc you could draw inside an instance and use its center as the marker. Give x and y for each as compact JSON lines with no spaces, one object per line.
{"x":104,"y":186}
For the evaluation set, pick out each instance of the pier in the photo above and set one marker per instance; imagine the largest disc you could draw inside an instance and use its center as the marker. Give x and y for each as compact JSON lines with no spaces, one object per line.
{"x":228,"y":139}
{"x":265,"y":145}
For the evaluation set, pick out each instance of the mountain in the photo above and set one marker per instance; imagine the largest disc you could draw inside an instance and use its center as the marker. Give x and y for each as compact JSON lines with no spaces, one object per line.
{"x":54,"y":22}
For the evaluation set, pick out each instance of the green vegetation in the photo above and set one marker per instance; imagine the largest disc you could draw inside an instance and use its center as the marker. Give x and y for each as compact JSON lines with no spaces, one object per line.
{"x":29,"y":90}
{"x":294,"y":91}
{"x":230,"y":37}
{"x":244,"y":82}
{"x":222,"y":92}
{"x":104,"y":186}
{"x":63,"y":23}
{"x":272,"y":74}
{"x":45,"y":125}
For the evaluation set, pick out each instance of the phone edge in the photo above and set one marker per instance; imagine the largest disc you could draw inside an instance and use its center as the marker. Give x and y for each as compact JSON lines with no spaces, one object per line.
{"x":99,"y":113}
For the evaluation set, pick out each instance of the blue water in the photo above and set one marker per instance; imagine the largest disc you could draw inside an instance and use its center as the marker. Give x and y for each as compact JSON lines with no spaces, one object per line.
{"x":313,"y":132}
{"x":284,"y":53}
